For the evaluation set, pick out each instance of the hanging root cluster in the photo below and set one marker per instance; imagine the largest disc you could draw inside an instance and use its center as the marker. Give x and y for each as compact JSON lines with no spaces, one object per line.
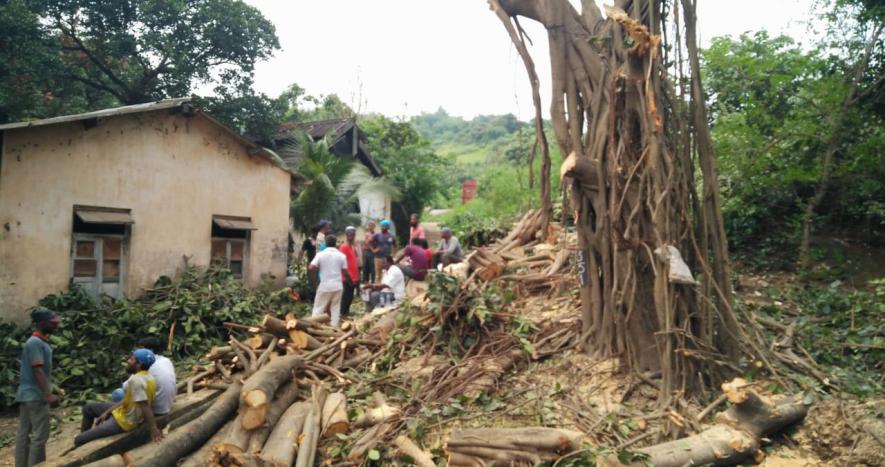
{"x":653,"y":262}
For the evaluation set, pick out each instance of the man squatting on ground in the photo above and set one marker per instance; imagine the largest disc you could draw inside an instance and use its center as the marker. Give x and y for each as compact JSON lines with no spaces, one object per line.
{"x":330,"y":264}
{"x":392,"y":279}
{"x":449,"y":249}
{"x":34,"y":394}
{"x":102,"y":419}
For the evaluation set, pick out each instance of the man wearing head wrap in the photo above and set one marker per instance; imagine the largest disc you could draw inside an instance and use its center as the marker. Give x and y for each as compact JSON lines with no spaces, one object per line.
{"x":34,"y":394}
{"x":101,"y":420}
{"x":351,"y":277}
{"x":382,"y":245}
{"x":448,"y":250}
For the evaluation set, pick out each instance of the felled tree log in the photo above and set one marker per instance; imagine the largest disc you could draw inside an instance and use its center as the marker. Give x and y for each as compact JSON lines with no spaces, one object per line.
{"x":738,"y":431}
{"x":311,"y":430}
{"x":281,"y":446}
{"x":199,"y":457}
{"x":409,"y":448}
{"x":183,"y":411}
{"x":285,"y":397}
{"x":260,"y":388}
{"x":510,"y":445}
{"x":182,"y":441}
{"x":335,"y":415}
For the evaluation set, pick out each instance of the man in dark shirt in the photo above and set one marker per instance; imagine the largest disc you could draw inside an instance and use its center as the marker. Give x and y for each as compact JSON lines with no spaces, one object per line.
{"x":34,"y":393}
{"x":383,"y":244}
{"x":418,"y":264}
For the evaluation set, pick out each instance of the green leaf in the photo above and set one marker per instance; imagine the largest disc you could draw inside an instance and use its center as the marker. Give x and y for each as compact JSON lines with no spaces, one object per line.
{"x":374,"y":455}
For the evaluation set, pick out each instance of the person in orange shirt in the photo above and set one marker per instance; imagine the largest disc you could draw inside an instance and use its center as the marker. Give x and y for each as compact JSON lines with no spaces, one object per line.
{"x":351,"y":277}
{"x":415,"y":231}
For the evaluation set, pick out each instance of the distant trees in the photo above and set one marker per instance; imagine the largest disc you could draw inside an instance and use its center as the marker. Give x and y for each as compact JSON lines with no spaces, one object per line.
{"x":799,"y":136}
{"x":482,"y":129}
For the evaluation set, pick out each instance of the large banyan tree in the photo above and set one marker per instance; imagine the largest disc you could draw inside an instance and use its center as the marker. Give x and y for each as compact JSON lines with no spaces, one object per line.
{"x":634,"y":138}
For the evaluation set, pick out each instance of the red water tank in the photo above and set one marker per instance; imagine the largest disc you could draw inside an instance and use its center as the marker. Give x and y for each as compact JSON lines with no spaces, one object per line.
{"x":468,"y":191}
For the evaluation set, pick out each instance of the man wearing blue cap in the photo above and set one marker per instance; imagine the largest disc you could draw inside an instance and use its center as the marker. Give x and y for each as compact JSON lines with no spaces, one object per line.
{"x":382,"y":246}
{"x":101,"y":420}
{"x":34,"y":394}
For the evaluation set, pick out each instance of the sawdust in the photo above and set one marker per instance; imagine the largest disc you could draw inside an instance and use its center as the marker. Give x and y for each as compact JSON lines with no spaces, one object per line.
{"x":845,"y":432}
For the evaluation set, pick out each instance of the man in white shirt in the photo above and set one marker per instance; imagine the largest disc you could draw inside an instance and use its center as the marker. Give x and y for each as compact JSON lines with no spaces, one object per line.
{"x":163,"y":372}
{"x":393,"y":281}
{"x":331,"y":264}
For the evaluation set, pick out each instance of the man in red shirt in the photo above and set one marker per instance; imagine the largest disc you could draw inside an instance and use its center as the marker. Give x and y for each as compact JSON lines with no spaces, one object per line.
{"x":351,"y":278}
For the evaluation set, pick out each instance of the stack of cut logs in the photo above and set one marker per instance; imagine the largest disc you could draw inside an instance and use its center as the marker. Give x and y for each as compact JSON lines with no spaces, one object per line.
{"x":270,"y":400}
{"x":533,"y":273}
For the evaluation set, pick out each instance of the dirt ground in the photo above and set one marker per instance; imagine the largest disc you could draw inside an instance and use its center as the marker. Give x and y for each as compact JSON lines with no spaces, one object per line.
{"x":65,"y":425}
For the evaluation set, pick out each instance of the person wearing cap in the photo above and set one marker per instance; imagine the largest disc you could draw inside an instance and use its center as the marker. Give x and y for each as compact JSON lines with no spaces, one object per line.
{"x":448,"y":250}
{"x":329,"y":264}
{"x":101,"y":420}
{"x":164,"y":372}
{"x":34,"y":394}
{"x":350,"y":278}
{"x":382,"y":245}
{"x":415,"y":229}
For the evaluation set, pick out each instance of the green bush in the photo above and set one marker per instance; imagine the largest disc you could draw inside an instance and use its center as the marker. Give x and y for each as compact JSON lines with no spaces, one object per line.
{"x":90,"y":347}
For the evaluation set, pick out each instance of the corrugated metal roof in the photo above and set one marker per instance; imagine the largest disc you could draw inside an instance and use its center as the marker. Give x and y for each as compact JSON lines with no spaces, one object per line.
{"x":129,"y":109}
{"x":234,"y":222}
{"x":91,"y":215}
{"x":255,"y":148}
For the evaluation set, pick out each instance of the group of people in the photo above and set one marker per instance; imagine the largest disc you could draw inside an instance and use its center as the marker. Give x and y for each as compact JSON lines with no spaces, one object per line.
{"x":147,"y":393}
{"x":339,"y":271}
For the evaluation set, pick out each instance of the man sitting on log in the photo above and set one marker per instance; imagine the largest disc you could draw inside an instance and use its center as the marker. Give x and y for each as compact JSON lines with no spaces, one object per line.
{"x":417,"y":267}
{"x":393,"y":280}
{"x":135,"y":408}
{"x":164,"y":372}
{"x":449,"y":249}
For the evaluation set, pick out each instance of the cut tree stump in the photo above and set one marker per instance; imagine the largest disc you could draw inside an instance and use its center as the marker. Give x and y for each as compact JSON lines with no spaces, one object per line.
{"x":281,"y":446}
{"x":261,"y":386}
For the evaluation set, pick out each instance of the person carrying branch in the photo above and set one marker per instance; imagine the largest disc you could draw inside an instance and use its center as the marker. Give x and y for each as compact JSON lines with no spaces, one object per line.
{"x":101,"y":420}
{"x":34,"y":394}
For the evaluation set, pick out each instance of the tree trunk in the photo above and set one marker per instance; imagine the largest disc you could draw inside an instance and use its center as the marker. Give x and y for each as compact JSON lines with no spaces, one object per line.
{"x":632,"y":186}
{"x":182,"y":441}
{"x":334,"y":415}
{"x":281,"y":446}
{"x":285,"y":397}
{"x":510,"y":446}
{"x":261,"y":386}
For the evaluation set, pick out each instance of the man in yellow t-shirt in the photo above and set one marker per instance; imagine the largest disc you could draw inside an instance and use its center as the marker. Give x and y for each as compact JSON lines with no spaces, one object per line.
{"x":129,"y":413}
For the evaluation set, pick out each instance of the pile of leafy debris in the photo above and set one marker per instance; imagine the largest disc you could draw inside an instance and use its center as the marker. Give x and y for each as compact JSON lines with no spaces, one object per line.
{"x":96,"y":334}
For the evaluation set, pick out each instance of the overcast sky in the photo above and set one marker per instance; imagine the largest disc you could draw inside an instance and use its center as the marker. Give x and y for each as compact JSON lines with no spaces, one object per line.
{"x":404,"y":57}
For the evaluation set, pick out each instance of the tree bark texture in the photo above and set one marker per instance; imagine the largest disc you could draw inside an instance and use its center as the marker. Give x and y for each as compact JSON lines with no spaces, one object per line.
{"x":631,"y":180}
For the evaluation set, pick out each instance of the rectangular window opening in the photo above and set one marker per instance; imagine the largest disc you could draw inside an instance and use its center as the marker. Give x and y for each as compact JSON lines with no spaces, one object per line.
{"x":99,"y":249}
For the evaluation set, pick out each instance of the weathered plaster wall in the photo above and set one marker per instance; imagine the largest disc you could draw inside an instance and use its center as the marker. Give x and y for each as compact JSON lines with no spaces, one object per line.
{"x":173,"y":172}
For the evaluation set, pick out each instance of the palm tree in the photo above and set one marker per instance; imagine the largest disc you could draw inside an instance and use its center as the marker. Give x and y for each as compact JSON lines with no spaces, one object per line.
{"x":333,"y":184}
